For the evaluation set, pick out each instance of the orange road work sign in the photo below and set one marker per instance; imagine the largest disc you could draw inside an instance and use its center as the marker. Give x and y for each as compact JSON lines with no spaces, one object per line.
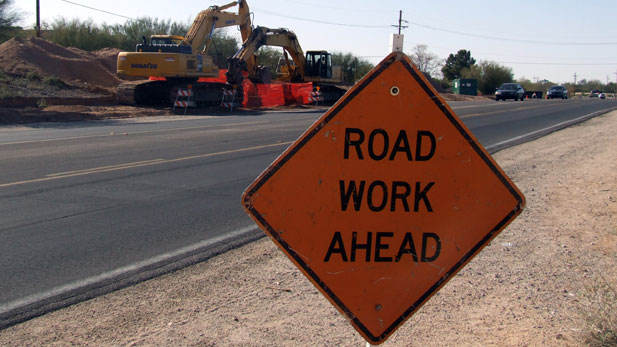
{"x":385,"y":198}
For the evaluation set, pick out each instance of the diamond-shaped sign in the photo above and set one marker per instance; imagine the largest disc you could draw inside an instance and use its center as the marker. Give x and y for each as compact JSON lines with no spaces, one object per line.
{"x":384,"y":198}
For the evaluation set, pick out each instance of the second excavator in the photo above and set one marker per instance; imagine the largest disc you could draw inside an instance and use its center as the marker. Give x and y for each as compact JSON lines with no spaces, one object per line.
{"x":315,"y":66}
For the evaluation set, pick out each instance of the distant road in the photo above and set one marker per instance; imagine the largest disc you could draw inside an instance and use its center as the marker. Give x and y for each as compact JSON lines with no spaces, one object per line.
{"x":87,"y":207}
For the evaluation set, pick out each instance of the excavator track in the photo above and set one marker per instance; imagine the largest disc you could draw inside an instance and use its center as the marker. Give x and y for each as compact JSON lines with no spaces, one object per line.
{"x":163,"y":93}
{"x":148,"y":93}
{"x":331,"y":93}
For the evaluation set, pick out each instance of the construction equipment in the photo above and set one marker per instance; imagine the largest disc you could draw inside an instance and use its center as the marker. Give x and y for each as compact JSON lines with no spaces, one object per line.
{"x":180,"y":61}
{"x":315,"y":66}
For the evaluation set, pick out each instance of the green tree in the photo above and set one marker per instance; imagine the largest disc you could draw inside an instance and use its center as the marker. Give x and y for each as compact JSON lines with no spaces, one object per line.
{"x":456,"y":63}
{"x":527,"y":84}
{"x":269,"y":56}
{"x":489,"y":74}
{"x":354,"y":68}
{"x":8,"y":18}
{"x":472,"y":72}
{"x":493,"y":75}
{"x":89,"y":36}
{"x":84,"y":35}
{"x":132,"y":32}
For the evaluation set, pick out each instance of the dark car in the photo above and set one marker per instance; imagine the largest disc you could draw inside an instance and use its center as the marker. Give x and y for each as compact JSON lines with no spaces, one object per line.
{"x":510,"y":91}
{"x":595,"y":93}
{"x":559,"y":92}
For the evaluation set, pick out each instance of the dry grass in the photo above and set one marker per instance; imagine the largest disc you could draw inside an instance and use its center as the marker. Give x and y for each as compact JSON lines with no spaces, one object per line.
{"x":599,"y":310}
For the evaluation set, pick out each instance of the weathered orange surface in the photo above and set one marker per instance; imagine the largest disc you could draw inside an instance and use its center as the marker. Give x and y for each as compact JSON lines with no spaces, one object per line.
{"x":458,"y":198}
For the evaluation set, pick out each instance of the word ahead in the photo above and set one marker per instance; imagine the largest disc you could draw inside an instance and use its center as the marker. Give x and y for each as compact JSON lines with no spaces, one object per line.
{"x":379,"y":251}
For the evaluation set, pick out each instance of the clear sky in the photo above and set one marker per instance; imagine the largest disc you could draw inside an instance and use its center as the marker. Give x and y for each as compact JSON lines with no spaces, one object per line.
{"x":538,"y":39}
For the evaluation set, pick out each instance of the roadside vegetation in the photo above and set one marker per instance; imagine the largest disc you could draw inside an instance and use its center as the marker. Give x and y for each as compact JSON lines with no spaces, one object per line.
{"x":583,"y":86}
{"x":89,"y":36}
{"x":12,"y":86}
{"x":8,"y":19}
{"x":599,"y":310}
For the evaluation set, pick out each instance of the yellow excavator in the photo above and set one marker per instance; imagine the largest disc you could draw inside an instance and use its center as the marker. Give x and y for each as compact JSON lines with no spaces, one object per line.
{"x":315,"y":66}
{"x":181,"y":61}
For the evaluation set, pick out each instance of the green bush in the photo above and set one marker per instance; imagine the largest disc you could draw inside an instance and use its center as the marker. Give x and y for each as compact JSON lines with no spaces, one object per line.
{"x":32,"y":76}
{"x":54,"y":81}
{"x":89,"y":36}
{"x":84,"y":35}
{"x":353,"y":67}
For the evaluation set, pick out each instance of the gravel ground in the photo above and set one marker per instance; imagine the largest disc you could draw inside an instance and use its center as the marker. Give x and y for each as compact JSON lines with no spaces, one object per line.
{"x":524,"y":289}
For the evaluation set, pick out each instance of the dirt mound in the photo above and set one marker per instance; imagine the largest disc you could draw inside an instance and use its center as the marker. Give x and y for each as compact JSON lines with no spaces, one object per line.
{"x":71,"y":65}
{"x":107,"y":57}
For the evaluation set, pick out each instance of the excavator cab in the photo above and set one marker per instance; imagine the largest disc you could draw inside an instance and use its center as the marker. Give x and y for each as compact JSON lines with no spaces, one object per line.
{"x":166,"y":39}
{"x":318,"y":64}
{"x":164,"y":43}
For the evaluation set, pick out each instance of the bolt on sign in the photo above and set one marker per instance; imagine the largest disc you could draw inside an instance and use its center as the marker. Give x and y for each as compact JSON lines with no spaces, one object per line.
{"x":384,"y":198}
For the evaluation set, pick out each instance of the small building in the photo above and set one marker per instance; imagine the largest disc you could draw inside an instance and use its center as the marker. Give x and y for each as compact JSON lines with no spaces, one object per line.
{"x":465,"y":86}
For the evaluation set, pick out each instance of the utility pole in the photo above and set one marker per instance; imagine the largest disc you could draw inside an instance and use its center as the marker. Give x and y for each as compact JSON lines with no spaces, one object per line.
{"x":575,"y":78}
{"x":396,"y":41}
{"x":38,"y":18}
{"x":400,"y":22}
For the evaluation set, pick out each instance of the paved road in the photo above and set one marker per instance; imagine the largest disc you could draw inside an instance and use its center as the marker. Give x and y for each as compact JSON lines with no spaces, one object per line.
{"x":87,"y":207}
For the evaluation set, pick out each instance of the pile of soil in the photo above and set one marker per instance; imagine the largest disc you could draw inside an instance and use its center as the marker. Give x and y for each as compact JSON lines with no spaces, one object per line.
{"x":91,"y":71}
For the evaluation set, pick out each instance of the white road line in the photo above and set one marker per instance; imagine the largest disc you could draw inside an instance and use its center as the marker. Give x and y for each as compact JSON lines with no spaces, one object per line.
{"x":120,"y":271}
{"x":550,"y":129}
{"x":90,"y":171}
{"x":130,"y":133}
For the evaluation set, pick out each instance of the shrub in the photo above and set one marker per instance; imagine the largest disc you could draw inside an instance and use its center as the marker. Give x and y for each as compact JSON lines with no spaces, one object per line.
{"x":599,"y":310}
{"x":33,"y":76}
{"x":54,"y":81}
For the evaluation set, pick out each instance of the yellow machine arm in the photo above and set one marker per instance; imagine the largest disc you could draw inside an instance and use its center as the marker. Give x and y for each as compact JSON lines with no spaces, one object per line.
{"x":262,"y":36}
{"x":216,"y":17}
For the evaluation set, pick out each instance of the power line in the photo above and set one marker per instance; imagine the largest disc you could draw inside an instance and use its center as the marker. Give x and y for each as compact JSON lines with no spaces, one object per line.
{"x":572,"y":64}
{"x":486,"y":37}
{"x":99,"y":10}
{"x":318,"y":21}
{"x":552,"y":60}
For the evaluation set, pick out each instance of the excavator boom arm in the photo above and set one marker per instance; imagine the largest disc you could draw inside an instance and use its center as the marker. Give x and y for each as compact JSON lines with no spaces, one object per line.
{"x":216,"y":17}
{"x":262,"y":36}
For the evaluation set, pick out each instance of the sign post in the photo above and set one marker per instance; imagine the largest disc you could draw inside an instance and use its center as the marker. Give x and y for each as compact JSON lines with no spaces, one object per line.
{"x":383,"y":199}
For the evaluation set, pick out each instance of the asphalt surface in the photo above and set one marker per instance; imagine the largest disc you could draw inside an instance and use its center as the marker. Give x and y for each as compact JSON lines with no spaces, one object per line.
{"x":88,"y":207}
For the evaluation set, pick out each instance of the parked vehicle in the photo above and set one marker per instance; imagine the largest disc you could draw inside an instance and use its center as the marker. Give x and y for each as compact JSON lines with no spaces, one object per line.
{"x":510,"y":91}
{"x":595,"y":93}
{"x":557,"y":92}
{"x":602,"y":96}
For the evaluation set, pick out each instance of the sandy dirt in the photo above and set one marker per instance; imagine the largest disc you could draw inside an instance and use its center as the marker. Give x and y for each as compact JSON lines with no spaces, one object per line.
{"x":72,"y":65}
{"x":523,"y":289}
